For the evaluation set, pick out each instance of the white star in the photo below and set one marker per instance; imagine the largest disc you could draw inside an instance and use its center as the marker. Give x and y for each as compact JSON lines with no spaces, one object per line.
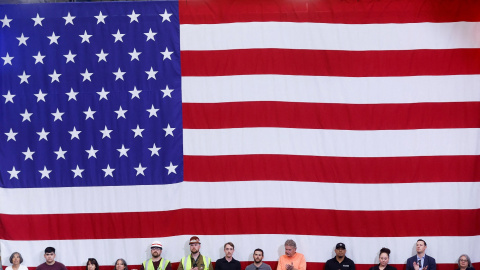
{"x":74,"y":133}
{"x":92,"y":152}
{"x":7,"y":59}
{"x":100,"y":18}
{"x":85,"y":37}
{"x":38,"y":20}
{"x":60,"y":153}
{"x":69,"y":19}
{"x":45,"y":172}
{"x":24,"y":77}
{"x":150,"y":35}
{"x":135,"y":93}
{"x":8,"y":97}
{"x":119,"y":74}
{"x":86,"y":75}
{"x":70,"y":57}
{"x":89,"y":113}
{"x":72,"y":94}
{"x":22,"y":40}
{"x":39,"y":58}
{"x":40,"y":95}
{"x":78,"y":172}
{"x":166,"y":54}
{"x":53,"y":38}
{"x":57,"y":115}
{"x":11,"y":135}
{"x":171,"y":168}
{"x":140,"y":169}
{"x":167,"y":92}
{"x":121,"y":113}
{"x":43,"y":135}
{"x":26,"y":116}
{"x":108,"y":171}
{"x":6,"y":22}
{"x":138,"y":131}
{"x":13,"y":173}
{"x":55,"y":76}
{"x":169,"y":130}
{"x":118,"y":36}
{"x":123,"y":151}
{"x":133,"y":54}
{"x":154,"y":150}
{"x":153,"y":112}
{"x":151,"y":73}
{"x":166,"y":16}
{"x":28,"y":154}
{"x":103,"y":94}
{"x":106,"y":132}
{"x":133,"y":17}
{"x":102,"y":56}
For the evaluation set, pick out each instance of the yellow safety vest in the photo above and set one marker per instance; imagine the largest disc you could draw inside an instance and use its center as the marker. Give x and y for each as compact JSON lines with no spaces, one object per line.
{"x":188,"y":266}
{"x":149,"y":266}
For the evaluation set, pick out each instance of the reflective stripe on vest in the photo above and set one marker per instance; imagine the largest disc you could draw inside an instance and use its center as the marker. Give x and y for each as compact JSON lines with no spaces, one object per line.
{"x":162,"y":266}
{"x":206,"y":261}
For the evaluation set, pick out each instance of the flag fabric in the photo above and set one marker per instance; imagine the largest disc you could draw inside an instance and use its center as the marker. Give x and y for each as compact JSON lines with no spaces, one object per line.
{"x":245,"y":121}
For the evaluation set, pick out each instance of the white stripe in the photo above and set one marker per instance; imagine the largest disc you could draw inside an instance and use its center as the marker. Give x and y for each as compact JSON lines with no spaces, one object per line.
{"x":341,"y":143}
{"x":317,"y":89}
{"x":322,"y":36}
{"x":248,"y":194}
{"x":315,"y":248}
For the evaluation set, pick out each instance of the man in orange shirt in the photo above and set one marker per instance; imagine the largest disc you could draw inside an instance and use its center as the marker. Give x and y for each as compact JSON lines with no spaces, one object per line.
{"x":292,"y":260}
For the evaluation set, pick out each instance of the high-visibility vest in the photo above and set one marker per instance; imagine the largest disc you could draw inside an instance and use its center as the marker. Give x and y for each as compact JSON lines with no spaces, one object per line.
{"x":188,"y":266}
{"x":148,"y":265}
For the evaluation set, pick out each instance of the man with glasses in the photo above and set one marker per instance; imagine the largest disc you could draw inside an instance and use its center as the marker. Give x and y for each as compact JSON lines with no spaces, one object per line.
{"x":156,"y":262}
{"x":257,"y":261}
{"x":421,"y":261}
{"x":195,"y":261}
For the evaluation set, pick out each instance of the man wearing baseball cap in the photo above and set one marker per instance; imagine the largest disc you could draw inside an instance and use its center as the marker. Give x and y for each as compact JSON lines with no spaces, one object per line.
{"x":195,"y":261}
{"x":340,"y":261}
{"x":156,"y":262}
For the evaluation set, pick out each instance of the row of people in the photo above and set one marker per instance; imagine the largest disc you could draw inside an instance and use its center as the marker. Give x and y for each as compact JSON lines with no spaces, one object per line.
{"x":292,"y":260}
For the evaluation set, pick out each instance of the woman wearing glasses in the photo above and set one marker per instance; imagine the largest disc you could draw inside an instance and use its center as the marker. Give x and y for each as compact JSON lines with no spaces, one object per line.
{"x":464,"y":263}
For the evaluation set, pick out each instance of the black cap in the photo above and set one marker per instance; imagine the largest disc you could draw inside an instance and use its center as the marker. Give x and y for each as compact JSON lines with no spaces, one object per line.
{"x":340,"y":245}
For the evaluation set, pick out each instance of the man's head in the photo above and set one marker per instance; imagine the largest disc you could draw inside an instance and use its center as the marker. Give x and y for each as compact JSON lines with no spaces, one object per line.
{"x":290,"y":247}
{"x":340,"y":250}
{"x":258,"y":255}
{"x":49,"y":255}
{"x":156,"y":249}
{"x":228,"y":248}
{"x":421,"y":246}
{"x":195,"y":244}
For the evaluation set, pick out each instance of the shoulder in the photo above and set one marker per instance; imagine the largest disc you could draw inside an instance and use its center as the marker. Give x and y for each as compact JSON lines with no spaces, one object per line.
{"x":413,"y":258}
{"x":300,"y":255}
{"x":331,"y":260}
{"x":22,"y":267}
{"x":373,"y":267}
{"x":350,"y":261}
{"x":389,"y":267}
{"x":429,"y":257}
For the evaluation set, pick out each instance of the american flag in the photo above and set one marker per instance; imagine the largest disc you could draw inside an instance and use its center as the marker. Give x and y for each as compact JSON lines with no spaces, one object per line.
{"x":243,"y":121}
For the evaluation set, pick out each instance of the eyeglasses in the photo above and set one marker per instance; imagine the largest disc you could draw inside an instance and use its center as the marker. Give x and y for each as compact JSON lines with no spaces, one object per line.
{"x":462,"y":260}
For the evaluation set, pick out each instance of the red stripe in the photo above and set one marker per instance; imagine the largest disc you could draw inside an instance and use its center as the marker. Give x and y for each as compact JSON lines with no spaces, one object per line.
{"x":302,"y":221}
{"x":331,"y":116}
{"x":332,"y":169}
{"x":327,"y":11}
{"x":331,"y":63}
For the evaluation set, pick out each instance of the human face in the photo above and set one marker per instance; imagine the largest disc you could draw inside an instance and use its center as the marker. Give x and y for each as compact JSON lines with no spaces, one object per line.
{"x":16,"y":259}
{"x":228,"y":251}
{"x":340,"y":252}
{"x":195,"y":248}
{"x":463,"y":262}
{"x":421,"y":247}
{"x":49,"y":258}
{"x":384,"y":259}
{"x":290,"y":251}
{"x":156,"y":252}
{"x":119,"y":265}
{"x":90,"y":266}
{"x":257,"y":256}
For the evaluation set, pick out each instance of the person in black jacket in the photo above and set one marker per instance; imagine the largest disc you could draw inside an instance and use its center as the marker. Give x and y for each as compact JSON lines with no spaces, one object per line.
{"x":383,"y":257}
{"x":464,"y":263}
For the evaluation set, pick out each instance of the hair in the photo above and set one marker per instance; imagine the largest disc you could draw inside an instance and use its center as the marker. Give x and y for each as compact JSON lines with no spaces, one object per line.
{"x":291,"y":243}
{"x":425,"y":243}
{"x":258,"y":249}
{"x":230,"y":244}
{"x":21,"y":258}
{"x":124,"y":263}
{"x":384,"y":250}
{"x":92,"y":261}
{"x":49,"y":250}
{"x":458,"y":261}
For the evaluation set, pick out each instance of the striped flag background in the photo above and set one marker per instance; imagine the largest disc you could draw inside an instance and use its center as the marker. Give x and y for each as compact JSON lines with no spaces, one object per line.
{"x":321,"y":121}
